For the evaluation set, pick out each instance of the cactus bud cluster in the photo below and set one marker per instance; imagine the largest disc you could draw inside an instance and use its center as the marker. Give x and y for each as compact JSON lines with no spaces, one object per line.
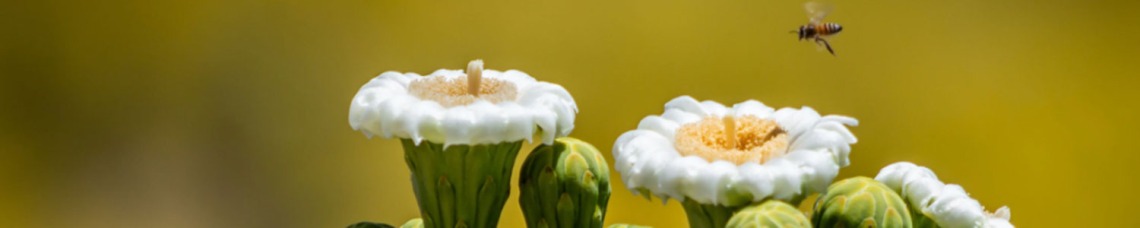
{"x":565,"y":184}
{"x":861,"y":202}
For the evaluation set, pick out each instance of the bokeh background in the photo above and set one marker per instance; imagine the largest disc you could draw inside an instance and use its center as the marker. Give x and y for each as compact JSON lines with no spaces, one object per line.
{"x":234,"y":113}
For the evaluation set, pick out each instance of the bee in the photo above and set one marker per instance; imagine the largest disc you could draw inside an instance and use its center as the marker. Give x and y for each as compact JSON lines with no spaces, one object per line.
{"x":816,"y":29}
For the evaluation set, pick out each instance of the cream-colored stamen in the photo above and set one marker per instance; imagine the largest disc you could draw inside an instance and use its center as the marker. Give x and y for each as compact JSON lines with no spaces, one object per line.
{"x":741,"y":139}
{"x":456,"y":91}
{"x":474,"y":76}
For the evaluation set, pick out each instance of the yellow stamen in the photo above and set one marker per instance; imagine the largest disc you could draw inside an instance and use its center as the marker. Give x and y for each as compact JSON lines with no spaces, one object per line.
{"x":452,"y":91}
{"x":739,"y":140}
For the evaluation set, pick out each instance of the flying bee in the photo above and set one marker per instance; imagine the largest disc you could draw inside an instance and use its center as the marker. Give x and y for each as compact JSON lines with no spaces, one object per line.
{"x":816,"y":29}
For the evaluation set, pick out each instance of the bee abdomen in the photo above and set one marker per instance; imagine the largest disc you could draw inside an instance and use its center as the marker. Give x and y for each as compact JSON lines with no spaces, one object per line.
{"x":828,"y":28}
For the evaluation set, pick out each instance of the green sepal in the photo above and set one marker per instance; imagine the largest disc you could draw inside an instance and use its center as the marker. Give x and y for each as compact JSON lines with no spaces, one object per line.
{"x":460,"y":185}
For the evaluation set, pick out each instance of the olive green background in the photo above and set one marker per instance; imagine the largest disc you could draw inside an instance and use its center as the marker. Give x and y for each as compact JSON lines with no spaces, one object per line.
{"x":234,"y":113}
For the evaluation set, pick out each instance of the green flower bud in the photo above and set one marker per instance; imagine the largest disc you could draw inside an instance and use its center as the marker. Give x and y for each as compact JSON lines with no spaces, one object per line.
{"x":565,"y":184}
{"x":414,"y":223}
{"x":771,"y":213}
{"x":860,"y":202}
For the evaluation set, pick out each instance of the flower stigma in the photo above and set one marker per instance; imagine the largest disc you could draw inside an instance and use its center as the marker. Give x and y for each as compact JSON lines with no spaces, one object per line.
{"x":474,"y":76}
{"x":730,"y":130}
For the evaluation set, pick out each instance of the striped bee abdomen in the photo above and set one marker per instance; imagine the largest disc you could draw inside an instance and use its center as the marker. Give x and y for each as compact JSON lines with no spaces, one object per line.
{"x":824,"y":29}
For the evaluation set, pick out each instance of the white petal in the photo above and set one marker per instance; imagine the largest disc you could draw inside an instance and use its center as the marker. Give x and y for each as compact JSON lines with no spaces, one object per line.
{"x":954,"y":208}
{"x":827,"y":137}
{"x":753,"y":108}
{"x":998,"y":223}
{"x":660,"y":125}
{"x":457,"y":125}
{"x":390,"y":113}
{"x":686,"y":104}
{"x":757,"y":179}
{"x":680,"y":117}
{"x":678,"y":181}
{"x":556,"y":102}
{"x":494,"y":124}
{"x":922,"y":191}
{"x":639,"y":154}
{"x":786,"y":179}
{"x":818,"y":168}
{"x":712,"y":108}
{"x":519,"y":121}
{"x":948,"y":205}
{"x":796,"y":121}
{"x":518,"y":77}
{"x":713,"y":180}
{"x":1001,"y":213}
{"x":999,"y":219}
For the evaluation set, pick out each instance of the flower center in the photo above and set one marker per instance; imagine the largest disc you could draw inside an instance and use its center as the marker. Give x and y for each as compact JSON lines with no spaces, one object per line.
{"x":739,"y":140}
{"x":450,"y":92}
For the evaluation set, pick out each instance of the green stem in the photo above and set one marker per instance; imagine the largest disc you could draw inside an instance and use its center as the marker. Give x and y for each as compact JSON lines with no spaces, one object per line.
{"x":460,"y":185}
{"x":707,"y":216}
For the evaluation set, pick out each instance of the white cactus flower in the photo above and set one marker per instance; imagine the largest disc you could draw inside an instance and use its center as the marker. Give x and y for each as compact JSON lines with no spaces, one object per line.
{"x":474,"y":123}
{"x":948,"y":205}
{"x":733,"y":156}
{"x":443,"y":107}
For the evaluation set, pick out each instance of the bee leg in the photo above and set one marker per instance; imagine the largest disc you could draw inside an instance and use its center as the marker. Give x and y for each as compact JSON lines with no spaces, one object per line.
{"x":825,"y":44}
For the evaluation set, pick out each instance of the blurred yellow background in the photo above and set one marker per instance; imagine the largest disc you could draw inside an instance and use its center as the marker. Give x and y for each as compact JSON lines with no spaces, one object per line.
{"x":234,"y":113}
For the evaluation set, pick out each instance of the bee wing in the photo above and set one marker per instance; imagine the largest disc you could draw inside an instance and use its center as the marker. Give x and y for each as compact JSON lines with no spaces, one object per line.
{"x":817,"y":11}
